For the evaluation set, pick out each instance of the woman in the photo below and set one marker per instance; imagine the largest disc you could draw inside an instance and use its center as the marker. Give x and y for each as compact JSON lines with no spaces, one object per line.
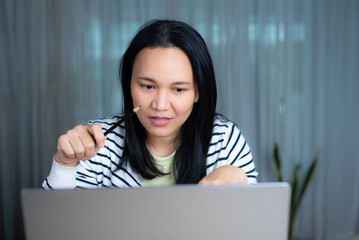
{"x":174,"y":138}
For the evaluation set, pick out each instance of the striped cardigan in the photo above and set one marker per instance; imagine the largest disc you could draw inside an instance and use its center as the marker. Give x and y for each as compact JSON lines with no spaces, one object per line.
{"x":227,"y":147}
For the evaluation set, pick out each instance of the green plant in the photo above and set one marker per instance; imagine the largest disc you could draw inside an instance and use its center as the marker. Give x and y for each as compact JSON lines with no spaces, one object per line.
{"x":298,"y":190}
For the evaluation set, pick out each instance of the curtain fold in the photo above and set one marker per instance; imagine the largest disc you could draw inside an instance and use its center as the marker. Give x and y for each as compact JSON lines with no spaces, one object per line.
{"x":287,"y":72}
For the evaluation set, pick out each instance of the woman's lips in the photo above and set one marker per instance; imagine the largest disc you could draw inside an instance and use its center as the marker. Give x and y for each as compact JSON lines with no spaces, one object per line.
{"x":160,"y":121}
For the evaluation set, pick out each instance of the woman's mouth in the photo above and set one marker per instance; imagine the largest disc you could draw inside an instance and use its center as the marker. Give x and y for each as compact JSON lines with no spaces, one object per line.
{"x":160,"y":121}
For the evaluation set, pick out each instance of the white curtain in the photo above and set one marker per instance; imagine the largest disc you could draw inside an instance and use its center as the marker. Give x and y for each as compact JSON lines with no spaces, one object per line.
{"x":287,"y":72}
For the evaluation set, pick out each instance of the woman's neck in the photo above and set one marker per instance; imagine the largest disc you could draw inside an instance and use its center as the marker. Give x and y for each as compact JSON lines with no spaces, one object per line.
{"x":161,"y":147}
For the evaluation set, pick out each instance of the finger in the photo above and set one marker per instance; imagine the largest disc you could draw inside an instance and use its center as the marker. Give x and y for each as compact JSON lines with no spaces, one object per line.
{"x":89,"y":145}
{"x":96,"y":131}
{"x":65,"y":148}
{"x":77,"y":146}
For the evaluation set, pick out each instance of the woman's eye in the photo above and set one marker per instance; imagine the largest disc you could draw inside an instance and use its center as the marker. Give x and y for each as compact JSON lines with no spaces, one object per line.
{"x":179,"y":90}
{"x":147,"y":87}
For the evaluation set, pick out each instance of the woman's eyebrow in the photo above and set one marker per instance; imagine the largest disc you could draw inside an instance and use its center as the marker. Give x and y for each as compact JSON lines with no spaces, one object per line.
{"x":174,"y":83}
{"x":147,"y":79}
{"x":182,"y":83}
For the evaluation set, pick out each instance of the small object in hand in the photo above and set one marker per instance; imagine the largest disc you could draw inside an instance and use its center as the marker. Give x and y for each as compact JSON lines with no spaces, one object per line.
{"x":122,"y":120}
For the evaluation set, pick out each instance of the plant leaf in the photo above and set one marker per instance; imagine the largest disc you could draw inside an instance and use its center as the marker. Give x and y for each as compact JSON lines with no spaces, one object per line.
{"x":294,"y":184}
{"x":277,"y":162}
{"x":294,"y":193}
{"x":306,"y":181}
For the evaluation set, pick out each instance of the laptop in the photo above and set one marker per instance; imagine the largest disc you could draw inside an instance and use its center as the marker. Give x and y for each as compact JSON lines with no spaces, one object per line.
{"x":178,"y":212}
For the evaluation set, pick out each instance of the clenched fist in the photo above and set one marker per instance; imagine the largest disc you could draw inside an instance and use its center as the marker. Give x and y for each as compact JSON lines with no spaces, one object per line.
{"x":80,"y":143}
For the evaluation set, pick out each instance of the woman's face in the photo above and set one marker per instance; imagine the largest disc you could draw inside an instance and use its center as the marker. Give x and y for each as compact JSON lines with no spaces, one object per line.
{"x":162,"y":84}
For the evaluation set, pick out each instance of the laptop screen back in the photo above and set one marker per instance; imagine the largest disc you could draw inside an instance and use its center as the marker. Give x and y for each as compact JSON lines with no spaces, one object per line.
{"x":228,"y":212}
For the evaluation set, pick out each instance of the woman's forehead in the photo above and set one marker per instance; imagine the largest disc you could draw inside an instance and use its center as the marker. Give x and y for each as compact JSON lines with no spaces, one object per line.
{"x":159,"y":62}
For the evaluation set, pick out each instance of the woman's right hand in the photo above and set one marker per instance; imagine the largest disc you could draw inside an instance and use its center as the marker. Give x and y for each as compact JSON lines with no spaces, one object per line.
{"x":80,"y":143}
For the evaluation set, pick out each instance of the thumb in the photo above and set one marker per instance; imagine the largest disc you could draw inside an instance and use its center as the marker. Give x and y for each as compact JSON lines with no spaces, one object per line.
{"x":100,"y":145}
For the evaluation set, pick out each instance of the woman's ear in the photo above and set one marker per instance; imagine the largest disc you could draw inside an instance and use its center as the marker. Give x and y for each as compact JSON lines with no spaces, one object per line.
{"x":196,"y":98}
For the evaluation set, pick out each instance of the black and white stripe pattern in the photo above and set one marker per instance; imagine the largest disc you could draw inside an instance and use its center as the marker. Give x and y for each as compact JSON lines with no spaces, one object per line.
{"x":227,"y":147}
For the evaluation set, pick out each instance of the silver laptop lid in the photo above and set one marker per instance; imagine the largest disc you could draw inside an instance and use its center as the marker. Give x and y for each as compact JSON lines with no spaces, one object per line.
{"x":228,"y":212}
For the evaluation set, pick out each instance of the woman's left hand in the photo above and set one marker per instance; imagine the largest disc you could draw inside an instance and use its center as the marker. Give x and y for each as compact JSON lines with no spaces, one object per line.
{"x":227,"y":174}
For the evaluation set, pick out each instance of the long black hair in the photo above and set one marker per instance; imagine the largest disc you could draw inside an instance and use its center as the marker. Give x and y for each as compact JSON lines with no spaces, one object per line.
{"x":195,"y":134}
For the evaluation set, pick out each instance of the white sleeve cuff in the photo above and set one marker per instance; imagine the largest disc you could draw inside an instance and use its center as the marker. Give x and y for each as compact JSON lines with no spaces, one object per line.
{"x":252,"y":180}
{"x":62,"y":177}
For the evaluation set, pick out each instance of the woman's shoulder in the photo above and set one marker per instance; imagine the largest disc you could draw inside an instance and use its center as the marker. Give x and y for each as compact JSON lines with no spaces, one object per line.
{"x":224,"y":129}
{"x":221,"y":123}
{"x":108,"y":122}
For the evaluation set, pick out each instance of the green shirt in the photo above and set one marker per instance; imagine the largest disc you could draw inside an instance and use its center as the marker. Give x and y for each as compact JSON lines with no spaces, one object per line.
{"x":165,"y":165}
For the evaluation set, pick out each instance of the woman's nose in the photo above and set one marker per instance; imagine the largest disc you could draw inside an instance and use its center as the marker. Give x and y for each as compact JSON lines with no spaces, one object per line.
{"x":161,"y":101}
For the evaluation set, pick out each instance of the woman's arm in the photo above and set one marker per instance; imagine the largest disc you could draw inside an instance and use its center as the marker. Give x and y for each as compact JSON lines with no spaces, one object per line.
{"x":226,"y":174}
{"x":229,"y":158}
{"x":79,"y":143}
